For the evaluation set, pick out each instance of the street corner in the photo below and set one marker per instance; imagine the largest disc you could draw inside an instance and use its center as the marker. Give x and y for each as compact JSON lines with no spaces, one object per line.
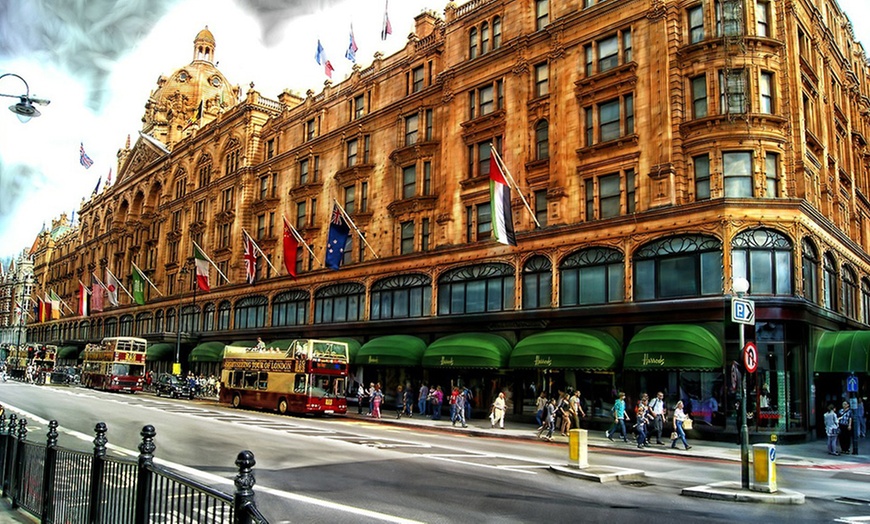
{"x":734,"y":492}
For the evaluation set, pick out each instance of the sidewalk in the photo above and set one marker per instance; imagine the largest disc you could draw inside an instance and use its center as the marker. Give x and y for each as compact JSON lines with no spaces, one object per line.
{"x":804,"y":454}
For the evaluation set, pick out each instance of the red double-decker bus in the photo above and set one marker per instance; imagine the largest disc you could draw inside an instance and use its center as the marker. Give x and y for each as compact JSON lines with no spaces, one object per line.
{"x":309,"y":377}
{"x":116,"y":364}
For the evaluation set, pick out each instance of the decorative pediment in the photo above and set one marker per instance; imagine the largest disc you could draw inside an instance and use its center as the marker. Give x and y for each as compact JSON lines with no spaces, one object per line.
{"x":146,"y":150}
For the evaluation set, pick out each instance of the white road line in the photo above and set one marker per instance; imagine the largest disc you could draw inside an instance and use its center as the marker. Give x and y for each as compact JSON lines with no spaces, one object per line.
{"x":214,"y":479}
{"x":503,"y":467}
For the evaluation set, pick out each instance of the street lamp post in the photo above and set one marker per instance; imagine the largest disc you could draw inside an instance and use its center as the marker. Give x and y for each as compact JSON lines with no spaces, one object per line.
{"x":740,"y":286}
{"x":24,"y":109}
{"x":176,"y":368}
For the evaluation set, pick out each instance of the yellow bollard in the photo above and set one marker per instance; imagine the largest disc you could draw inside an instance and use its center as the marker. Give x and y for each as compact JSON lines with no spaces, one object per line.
{"x":764,"y":465}
{"x":578,"y":447}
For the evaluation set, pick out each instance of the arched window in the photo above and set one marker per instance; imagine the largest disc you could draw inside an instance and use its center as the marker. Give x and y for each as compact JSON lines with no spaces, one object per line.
{"x":537,"y":283}
{"x":496,"y":32}
{"x":143,"y":323}
{"x":763,"y":257}
{"x":849,"y":292}
{"x":339,"y":303}
{"x":170,"y":319}
{"x":55,"y":332}
{"x":290,"y":308}
{"x":476,"y":289}
{"x":158,"y":321}
{"x":592,"y":276}
{"x":810,"y":270}
{"x":472,"y":43}
{"x":403,"y":296}
{"x":223,"y":316}
{"x":680,"y":266}
{"x":542,"y":140}
{"x":865,"y":300}
{"x":190,"y":318}
{"x":84,"y":327}
{"x":250,"y":312}
{"x":208,"y":317}
{"x":111,"y":327}
{"x":484,"y":38}
{"x":126,"y":326}
{"x":830,"y":268}
{"x":98,"y":329}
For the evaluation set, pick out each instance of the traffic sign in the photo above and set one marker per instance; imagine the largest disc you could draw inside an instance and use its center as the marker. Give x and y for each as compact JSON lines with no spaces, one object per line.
{"x":742,"y":311}
{"x":852,"y":384}
{"x":750,"y":357}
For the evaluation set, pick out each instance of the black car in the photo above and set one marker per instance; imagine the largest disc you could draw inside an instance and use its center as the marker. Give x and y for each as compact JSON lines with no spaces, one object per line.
{"x":172,"y":386}
{"x":65,"y":375}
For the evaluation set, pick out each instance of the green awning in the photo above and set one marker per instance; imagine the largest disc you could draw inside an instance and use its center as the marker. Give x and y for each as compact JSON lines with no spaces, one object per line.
{"x":843,"y":352}
{"x":207,"y":352}
{"x":392,"y":350}
{"x":674,"y":346}
{"x":162,"y":351}
{"x":353,"y":346}
{"x":244,"y":343}
{"x":567,"y":349}
{"x":68,"y":352}
{"x":468,"y":350}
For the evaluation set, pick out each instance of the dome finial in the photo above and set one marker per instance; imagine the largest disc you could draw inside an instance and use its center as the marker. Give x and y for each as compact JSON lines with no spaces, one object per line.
{"x":203,"y":46}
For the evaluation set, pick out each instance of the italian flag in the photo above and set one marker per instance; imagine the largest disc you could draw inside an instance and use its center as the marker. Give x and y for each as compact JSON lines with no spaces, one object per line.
{"x":202,"y":263}
{"x":500,"y":196}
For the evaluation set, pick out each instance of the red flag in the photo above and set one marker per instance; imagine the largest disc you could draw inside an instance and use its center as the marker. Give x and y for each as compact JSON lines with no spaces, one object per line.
{"x":250,"y":260}
{"x":291,"y":246}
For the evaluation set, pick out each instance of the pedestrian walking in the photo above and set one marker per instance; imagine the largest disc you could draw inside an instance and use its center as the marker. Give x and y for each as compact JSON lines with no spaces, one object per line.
{"x":679,"y":433}
{"x":370,"y":392}
{"x":437,"y":398}
{"x":860,"y":421}
{"x":400,"y":401}
{"x":832,"y":429}
{"x":423,"y":399}
{"x":361,"y":397}
{"x":567,"y":415}
{"x":618,"y":412}
{"x":640,"y":425}
{"x":469,"y":401}
{"x":498,"y":410}
{"x":844,"y":421}
{"x":454,"y":394}
{"x":577,"y":411}
{"x":657,"y":413}
{"x":377,"y":399}
{"x":459,"y":412}
{"x":541,"y":410}
{"x":549,"y":420}
{"x":408,"y":402}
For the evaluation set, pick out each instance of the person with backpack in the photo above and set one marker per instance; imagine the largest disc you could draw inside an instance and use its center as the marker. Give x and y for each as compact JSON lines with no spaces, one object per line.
{"x":619,"y":415}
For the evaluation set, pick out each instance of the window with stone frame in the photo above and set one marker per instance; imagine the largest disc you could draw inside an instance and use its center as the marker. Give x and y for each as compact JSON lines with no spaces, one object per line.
{"x":401,"y":296}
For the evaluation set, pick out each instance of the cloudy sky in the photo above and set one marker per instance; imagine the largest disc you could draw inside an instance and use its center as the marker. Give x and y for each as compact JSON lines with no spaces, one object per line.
{"x":98,"y":60}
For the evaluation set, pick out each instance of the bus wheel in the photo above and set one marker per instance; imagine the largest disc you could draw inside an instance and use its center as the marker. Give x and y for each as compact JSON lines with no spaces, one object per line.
{"x":282,"y":406}
{"x":237,"y":400}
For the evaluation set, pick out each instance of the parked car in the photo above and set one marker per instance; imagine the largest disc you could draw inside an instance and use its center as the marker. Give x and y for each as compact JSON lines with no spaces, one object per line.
{"x":172,"y":386}
{"x":65,"y":375}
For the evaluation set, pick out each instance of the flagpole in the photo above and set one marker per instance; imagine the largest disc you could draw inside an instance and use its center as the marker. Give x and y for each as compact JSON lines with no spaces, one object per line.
{"x":358,"y":232}
{"x":513,"y":183}
{"x":260,"y":250}
{"x":201,"y":250}
{"x":100,"y":282}
{"x":62,"y":302}
{"x":119,"y":283}
{"x":299,"y":238}
{"x":84,"y":286}
{"x":146,"y":278}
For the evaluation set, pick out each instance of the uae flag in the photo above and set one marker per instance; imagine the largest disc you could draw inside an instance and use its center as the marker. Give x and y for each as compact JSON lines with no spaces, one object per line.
{"x":202,"y":264}
{"x":291,"y":246}
{"x":500,"y":196}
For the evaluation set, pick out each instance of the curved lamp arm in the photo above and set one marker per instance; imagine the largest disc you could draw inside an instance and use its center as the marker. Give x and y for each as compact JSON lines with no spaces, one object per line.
{"x":24,"y":109}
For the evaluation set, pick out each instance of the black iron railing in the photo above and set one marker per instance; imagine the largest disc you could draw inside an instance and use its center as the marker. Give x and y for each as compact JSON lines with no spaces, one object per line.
{"x":61,"y":485}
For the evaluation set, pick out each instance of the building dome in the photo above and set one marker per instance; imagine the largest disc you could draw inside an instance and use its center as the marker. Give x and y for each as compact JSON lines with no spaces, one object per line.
{"x":205,"y":36}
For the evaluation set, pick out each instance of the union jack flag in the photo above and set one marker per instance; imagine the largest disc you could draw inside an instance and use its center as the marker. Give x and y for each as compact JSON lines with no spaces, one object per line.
{"x":250,"y":260}
{"x":84,"y":159}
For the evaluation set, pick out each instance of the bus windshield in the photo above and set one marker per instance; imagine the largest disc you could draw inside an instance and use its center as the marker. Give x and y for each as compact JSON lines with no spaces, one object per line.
{"x":126,"y":370}
{"x":325,"y":386}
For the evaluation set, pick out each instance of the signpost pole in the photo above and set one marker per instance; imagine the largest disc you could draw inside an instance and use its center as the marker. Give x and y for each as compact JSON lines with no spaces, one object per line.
{"x":740,"y":286}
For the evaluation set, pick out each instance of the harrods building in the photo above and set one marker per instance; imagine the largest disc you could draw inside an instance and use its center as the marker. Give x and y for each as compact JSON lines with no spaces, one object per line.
{"x":665,"y":147}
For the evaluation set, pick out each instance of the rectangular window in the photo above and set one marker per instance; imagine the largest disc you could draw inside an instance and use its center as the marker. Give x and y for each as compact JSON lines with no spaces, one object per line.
{"x":350,"y":199}
{"x":199,"y":210}
{"x":427,"y":178}
{"x":696,"y":24}
{"x":589,"y":186}
{"x":732,"y":99}
{"x":407,"y":240}
{"x":542,"y":14}
{"x":487,"y":103}
{"x":699,"y":96}
{"x":300,"y":215}
{"x":261,"y":226}
{"x":484,"y":221}
{"x":367,"y":149}
{"x":270,"y":148}
{"x":309,"y":130}
{"x":364,"y":197}
{"x":180,"y":187}
{"x":609,"y":196}
{"x":630,"y":191}
{"x":227,"y":203}
{"x":588,"y":55}
{"x":728,"y":18}
{"x":315,"y":175}
{"x":608,"y":53}
{"x":608,"y":121}
{"x":766,"y":92}
{"x":542,"y":86}
{"x":224,"y":235}
{"x":541,"y":206}
{"x":762,"y":18}
{"x":411,"y":126}
{"x":358,"y":107}
{"x":590,"y":127}
{"x":424,"y":235}
{"x":628,"y":109}
{"x":484,"y":152}
{"x":409,"y":181}
{"x":737,"y":174}
{"x":771,"y":178}
{"x":429,"y":124}
{"x":626,"y":46}
{"x":702,"y":177}
{"x":264,"y":187}
{"x":352,"y":150}
{"x":303,"y":172}
{"x":176,"y":220}
{"x":417,"y":79}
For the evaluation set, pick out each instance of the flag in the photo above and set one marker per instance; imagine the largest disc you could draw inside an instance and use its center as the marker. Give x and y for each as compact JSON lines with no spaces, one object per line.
{"x":291,"y":246}
{"x":352,"y":47}
{"x":138,"y":286}
{"x":44,"y":314}
{"x":500,"y":196}
{"x":387,"y":29}
{"x":72,"y":220}
{"x":112,"y":286}
{"x":250,"y":260}
{"x":96,"y":296}
{"x":83,"y":300}
{"x":202,"y":264}
{"x":320,"y":56}
{"x":55,"y":305}
{"x":338,"y":233}
{"x":109,"y":178}
{"x":197,"y":114}
{"x":84,"y":159}
{"x":97,"y":188}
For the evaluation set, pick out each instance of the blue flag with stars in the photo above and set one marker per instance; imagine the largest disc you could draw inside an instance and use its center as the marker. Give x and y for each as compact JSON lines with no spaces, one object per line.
{"x":337,"y":238}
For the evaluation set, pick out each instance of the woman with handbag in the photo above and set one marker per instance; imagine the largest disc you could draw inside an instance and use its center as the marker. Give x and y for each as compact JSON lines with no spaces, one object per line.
{"x":831,"y":429}
{"x":679,"y":419}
